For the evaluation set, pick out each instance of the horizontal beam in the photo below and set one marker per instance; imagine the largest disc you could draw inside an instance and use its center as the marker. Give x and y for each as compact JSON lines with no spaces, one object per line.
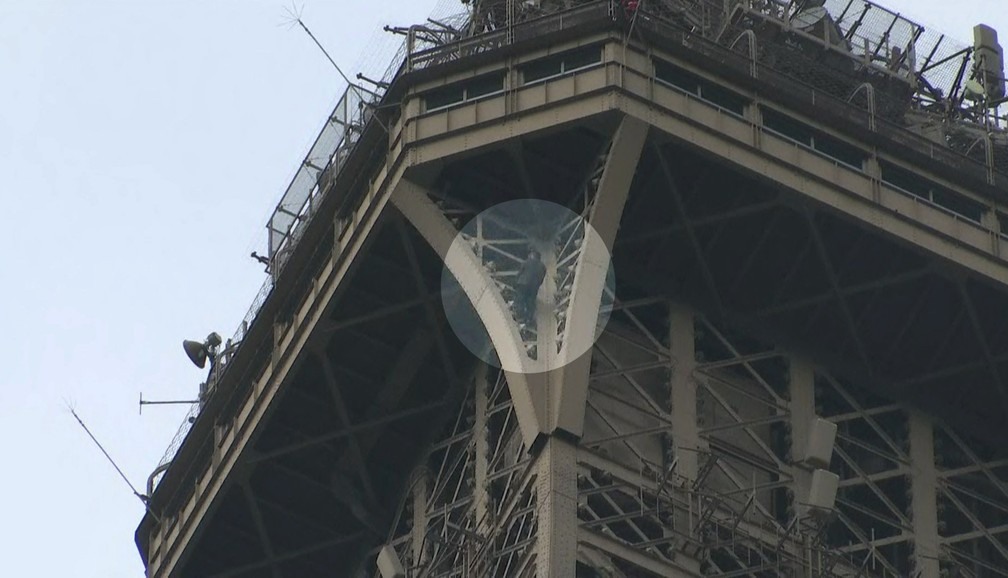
{"x":348,"y":431}
{"x":290,"y":555}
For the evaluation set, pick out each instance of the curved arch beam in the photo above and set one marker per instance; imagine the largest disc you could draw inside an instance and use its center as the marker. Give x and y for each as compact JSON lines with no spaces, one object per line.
{"x":544,"y":401}
{"x":569,"y":384}
{"x":414,"y":203}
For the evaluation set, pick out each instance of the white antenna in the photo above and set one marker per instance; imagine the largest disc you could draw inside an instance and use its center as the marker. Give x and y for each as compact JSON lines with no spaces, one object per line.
{"x":140,"y":496}
{"x":294,"y":17}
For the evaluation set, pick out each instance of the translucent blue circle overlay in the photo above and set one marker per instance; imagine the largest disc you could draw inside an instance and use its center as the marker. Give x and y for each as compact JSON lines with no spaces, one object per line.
{"x":492,"y":257}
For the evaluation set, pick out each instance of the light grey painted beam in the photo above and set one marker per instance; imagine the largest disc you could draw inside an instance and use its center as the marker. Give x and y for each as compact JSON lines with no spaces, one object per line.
{"x":685,"y":429}
{"x":556,"y":506}
{"x":923,"y":495}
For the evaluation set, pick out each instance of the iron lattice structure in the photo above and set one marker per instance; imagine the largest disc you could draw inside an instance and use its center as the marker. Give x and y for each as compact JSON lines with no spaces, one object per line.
{"x":806,"y":228}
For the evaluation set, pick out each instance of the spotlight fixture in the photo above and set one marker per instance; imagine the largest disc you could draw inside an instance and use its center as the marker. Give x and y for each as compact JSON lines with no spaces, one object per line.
{"x":199,"y":352}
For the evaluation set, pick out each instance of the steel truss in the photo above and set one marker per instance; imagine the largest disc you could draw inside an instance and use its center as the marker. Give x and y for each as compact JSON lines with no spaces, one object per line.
{"x":472,"y":509}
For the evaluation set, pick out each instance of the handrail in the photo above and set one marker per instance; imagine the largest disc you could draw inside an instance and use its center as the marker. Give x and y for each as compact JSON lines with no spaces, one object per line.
{"x":330,"y":150}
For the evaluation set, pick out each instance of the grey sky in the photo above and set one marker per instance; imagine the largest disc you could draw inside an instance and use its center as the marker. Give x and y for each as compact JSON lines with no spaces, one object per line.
{"x":143,"y":145}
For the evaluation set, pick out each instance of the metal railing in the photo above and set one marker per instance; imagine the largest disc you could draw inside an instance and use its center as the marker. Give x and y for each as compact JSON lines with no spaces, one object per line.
{"x":219,"y":367}
{"x":327,"y":155}
{"x":302,"y":197}
{"x":832,"y":98}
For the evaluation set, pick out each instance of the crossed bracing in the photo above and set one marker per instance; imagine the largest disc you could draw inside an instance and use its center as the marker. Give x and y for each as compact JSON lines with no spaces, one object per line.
{"x":793,"y":272}
{"x":724,"y":517}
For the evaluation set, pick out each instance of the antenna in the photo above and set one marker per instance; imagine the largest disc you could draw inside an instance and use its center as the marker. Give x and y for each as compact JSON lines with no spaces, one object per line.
{"x":294,"y":17}
{"x":140,"y":496}
{"x":144,"y":402}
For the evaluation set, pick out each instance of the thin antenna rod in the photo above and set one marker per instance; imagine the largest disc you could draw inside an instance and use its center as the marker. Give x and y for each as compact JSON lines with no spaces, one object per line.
{"x":108,"y":457}
{"x":322,"y":48}
{"x":354,"y":87}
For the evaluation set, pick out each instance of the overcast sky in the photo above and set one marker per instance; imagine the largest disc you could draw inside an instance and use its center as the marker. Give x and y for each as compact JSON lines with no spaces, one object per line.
{"x":143,"y":145}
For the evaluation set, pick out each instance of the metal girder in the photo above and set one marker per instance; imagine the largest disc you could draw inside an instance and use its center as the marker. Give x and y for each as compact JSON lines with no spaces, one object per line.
{"x":260,"y":525}
{"x":747,"y":363}
{"x":624,"y":552}
{"x":354,"y":429}
{"x":869,"y":419}
{"x":516,"y":151}
{"x":911,"y":318}
{"x":569,"y":384}
{"x":631,"y":238}
{"x":627,"y":310}
{"x":376,"y":314}
{"x":556,"y":505}
{"x":848,"y":291}
{"x":775,"y":403}
{"x":898,"y":514}
{"x":429,"y":307}
{"x":740,"y":423}
{"x":358,"y":464}
{"x":683,"y":394}
{"x":310,"y":549}
{"x":698,"y":251}
{"x":977,"y":524}
{"x":551,"y":400}
{"x":828,"y":267}
{"x":414,"y":203}
{"x":973,"y":469}
{"x":898,"y":472}
{"x":619,"y":435}
{"x":997,"y":482}
{"x":796,"y":264}
{"x":992,"y":365}
{"x":265,"y":503}
{"x":949,"y":372}
{"x":993,"y":531}
{"x":625,"y":375}
{"x":923,"y":495}
{"x":738,"y":360}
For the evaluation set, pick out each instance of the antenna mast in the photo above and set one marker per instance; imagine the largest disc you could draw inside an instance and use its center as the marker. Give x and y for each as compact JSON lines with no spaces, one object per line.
{"x":295,"y":17}
{"x":118,"y":470}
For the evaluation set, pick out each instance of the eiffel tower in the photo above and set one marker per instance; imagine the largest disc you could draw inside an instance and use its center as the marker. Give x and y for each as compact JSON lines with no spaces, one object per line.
{"x":769,"y":339}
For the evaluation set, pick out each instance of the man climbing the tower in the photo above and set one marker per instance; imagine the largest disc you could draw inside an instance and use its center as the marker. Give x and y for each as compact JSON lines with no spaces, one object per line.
{"x":527,"y":283}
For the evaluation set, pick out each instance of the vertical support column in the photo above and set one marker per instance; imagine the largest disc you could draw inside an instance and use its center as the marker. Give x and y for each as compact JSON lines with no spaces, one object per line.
{"x":801,"y":390}
{"x":556,"y":508}
{"x":685,"y":429}
{"x":923,"y":495}
{"x":421,"y":490}
{"x":481,"y":444}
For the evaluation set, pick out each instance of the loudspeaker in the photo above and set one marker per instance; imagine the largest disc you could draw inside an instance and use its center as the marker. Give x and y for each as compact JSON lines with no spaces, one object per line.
{"x":196,"y":351}
{"x":819,"y":444}
{"x":823,"y":491}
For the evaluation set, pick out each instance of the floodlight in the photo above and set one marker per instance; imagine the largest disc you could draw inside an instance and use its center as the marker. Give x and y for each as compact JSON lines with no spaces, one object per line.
{"x":199,"y":352}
